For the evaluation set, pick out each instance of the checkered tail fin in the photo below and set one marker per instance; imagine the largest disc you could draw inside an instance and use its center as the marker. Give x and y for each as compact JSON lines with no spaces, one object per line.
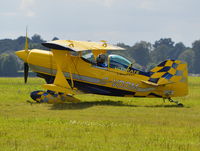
{"x":169,"y":71}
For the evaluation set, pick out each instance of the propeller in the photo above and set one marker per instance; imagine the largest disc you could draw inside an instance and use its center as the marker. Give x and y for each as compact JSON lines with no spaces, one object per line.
{"x":26,"y":69}
{"x":26,"y":66}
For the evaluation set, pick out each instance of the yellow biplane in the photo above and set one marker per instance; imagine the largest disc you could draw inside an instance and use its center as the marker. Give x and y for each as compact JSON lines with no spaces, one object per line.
{"x":81,"y":66}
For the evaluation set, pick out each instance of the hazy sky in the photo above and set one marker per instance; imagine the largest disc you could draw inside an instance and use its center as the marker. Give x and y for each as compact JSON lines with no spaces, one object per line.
{"x":127,"y":21}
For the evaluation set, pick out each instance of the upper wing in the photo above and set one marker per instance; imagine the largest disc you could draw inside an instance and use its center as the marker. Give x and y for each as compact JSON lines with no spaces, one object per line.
{"x":72,"y":45}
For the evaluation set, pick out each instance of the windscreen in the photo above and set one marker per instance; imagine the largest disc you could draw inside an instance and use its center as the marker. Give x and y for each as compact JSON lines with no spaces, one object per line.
{"x":119,"y":62}
{"x":88,"y":55}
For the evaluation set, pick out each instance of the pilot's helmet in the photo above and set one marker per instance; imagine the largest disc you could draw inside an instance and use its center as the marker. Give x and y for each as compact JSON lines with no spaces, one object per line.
{"x":101,"y":58}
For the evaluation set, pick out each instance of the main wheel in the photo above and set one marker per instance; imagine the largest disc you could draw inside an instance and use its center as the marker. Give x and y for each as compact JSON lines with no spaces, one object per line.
{"x":180,"y":105}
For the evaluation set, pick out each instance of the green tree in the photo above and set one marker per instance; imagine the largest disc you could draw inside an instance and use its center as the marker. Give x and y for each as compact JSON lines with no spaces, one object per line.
{"x":8,"y":65}
{"x":6,"y":45}
{"x":124,"y":53}
{"x":10,"y":45}
{"x":141,"y":53}
{"x":188,"y":56}
{"x":123,"y":45}
{"x":163,"y":49}
{"x":196,"y":48}
{"x":178,"y":49}
{"x":164,"y":41}
{"x":55,"y":38}
{"x":37,"y":39}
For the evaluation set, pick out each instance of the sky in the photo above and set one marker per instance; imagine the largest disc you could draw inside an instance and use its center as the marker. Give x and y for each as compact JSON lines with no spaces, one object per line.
{"x":127,"y":21}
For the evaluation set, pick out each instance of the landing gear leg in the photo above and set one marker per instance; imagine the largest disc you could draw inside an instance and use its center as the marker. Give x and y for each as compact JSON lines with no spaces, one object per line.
{"x":179,"y":104}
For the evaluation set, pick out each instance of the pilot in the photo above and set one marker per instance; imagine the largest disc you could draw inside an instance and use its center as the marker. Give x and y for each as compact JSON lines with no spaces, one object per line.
{"x":101,"y":60}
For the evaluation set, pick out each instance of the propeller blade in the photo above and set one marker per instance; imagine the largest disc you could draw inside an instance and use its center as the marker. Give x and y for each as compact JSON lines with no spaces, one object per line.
{"x":26,"y":69}
{"x":26,"y":42}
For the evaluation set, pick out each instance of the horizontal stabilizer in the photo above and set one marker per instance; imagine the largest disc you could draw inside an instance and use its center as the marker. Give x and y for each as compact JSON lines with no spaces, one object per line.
{"x":149,"y":83}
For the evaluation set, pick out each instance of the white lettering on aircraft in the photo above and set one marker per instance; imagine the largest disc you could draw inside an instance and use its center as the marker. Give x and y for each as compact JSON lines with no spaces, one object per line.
{"x":130,"y":86}
{"x":125,"y":85}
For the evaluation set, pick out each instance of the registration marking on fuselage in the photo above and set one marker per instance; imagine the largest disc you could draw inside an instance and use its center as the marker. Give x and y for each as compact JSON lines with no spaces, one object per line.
{"x":120,"y":84}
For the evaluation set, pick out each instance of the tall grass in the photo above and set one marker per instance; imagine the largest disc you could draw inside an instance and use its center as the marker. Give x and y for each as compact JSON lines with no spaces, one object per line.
{"x":97,"y":122}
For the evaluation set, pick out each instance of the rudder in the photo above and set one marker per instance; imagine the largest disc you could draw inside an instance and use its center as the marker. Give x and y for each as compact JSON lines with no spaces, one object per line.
{"x":171,"y":72}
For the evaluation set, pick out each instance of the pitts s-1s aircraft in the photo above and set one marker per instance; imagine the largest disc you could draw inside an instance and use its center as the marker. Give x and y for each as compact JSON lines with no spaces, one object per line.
{"x":73,"y":66}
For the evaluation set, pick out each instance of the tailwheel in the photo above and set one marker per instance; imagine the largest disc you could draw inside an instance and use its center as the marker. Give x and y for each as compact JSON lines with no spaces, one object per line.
{"x":178,"y":103}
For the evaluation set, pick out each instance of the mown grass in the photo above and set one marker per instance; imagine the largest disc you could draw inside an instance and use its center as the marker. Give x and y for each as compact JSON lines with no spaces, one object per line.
{"x":97,"y":122}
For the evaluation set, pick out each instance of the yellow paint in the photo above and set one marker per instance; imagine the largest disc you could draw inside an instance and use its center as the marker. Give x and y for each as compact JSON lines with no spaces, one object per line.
{"x":62,"y":61}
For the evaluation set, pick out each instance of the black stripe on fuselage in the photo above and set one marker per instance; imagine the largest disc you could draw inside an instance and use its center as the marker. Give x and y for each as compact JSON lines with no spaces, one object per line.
{"x":96,"y":89}
{"x":90,"y":88}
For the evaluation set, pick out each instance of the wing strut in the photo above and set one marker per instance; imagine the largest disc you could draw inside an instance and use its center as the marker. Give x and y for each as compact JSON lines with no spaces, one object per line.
{"x":60,"y":83}
{"x":71,"y":77}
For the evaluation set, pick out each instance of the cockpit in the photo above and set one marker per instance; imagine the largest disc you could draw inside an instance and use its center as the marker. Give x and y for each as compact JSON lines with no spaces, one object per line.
{"x":110,"y":61}
{"x":113,"y":61}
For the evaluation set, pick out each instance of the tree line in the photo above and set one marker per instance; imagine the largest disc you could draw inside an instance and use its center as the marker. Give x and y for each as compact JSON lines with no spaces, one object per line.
{"x":10,"y":64}
{"x":147,"y":55}
{"x":144,"y":54}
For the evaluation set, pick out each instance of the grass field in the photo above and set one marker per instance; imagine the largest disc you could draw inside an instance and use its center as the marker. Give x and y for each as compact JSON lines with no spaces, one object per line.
{"x":98,"y":123}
